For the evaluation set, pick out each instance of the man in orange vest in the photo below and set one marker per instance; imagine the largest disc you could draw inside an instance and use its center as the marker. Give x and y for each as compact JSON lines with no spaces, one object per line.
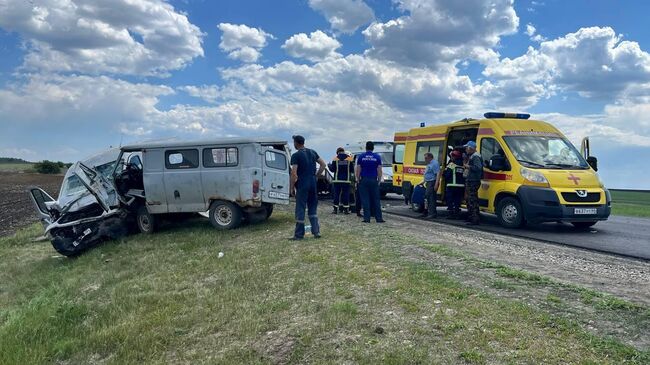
{"x":342,"y":168}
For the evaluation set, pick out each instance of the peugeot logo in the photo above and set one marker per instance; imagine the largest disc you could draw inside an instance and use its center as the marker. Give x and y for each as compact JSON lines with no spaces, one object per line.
{"x":581,"y":193}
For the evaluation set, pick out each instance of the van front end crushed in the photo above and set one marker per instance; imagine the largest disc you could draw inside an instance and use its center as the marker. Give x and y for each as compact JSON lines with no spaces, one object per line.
{"x":542,"y":204}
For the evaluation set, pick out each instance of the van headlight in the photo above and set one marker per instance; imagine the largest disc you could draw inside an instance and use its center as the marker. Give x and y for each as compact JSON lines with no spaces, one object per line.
{"x":533,"y":177}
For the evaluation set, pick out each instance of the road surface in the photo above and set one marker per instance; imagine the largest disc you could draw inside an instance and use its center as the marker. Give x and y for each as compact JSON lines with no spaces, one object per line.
{"x":625,"y":236}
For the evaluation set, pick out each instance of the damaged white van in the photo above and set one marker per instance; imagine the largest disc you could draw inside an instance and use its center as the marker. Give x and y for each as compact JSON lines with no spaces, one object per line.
{"x":232,"y":179}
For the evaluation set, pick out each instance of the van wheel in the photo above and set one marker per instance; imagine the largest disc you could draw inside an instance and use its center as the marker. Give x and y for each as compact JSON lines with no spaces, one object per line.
{"x":583,"y":225}
{"x":145,"y":220}
{"x":269,"y":210}
{"x":225,"y":215}
{"x":510,"y":213}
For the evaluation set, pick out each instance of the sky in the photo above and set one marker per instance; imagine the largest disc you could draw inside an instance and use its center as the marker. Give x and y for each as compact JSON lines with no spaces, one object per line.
{"x":78,"y":76}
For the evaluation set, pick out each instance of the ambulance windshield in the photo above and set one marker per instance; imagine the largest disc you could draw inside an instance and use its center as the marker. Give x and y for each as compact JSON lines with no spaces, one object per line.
{"x":548,"y":152}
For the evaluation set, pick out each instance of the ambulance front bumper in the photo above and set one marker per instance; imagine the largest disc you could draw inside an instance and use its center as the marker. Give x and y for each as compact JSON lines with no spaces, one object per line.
{"x":543,"y":205}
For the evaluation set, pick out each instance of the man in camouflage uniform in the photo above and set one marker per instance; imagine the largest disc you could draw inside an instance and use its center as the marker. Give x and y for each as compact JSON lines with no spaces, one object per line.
{"x":474,"y":168}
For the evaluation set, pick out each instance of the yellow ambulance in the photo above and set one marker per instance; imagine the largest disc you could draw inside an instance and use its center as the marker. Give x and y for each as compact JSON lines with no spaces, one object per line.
{"x":532,"y":173}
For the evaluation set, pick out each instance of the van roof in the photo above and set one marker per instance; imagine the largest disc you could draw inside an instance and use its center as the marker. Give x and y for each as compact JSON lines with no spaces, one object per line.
{"x":174,"y":143}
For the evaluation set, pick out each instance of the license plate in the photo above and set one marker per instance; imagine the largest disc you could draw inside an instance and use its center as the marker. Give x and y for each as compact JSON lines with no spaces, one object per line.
{"x":276,"y":195}
{"x":585,"y":211}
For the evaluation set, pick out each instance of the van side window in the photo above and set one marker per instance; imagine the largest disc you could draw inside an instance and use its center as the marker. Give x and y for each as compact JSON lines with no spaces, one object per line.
{"x":424,"y":147}
{"x":182,"y":159}
{"x":276,"y":160}
{"x":398,"y":153}
{"x":220,"y":157}
{"x":489,"y":148}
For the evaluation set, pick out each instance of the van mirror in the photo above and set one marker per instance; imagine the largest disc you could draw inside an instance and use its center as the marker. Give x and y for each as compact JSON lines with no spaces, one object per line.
{"x":593,"y":162}
{"x":497,"y":163}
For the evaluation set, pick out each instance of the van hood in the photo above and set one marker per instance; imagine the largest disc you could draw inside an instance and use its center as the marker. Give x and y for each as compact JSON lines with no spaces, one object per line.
{"x":579,"y":179}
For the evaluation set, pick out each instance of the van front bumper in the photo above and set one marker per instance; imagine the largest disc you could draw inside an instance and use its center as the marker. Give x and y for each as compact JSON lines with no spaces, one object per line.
{"x":543,"y":205}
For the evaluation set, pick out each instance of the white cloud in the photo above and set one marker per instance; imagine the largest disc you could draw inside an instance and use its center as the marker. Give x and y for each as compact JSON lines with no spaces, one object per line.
{"x":437,"y":32}
{"x":242,"y":42}
{"x":147,"y":37}
{"x":317,"y":46}
{"x":344,"y":15}
{"x":209,"y":93}
{"x":594,"y":62}
{"x":531,"y":32}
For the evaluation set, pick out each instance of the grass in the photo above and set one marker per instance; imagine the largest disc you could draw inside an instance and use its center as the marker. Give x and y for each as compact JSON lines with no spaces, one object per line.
{"x":16,"y":167}
{"x":631,"y":203}
{"x":350,"y":297}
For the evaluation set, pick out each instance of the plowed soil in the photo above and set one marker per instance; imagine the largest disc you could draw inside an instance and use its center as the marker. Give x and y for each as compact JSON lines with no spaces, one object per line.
{"x":16,"y":207}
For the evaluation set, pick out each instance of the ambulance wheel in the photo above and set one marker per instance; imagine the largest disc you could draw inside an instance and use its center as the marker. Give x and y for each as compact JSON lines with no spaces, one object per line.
{"x":583,"y":225}
{"x":225,"y":215}
{"x":510,"y":213}
{"x":146,"y":221}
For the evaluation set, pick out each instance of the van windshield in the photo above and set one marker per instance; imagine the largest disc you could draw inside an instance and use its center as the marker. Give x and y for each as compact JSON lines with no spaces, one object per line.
{"x":386,"y":158}
{"x":544,"y":152}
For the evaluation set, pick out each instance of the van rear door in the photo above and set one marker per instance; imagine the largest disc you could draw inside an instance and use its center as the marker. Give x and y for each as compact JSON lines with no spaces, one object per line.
{"x":275,"y":179}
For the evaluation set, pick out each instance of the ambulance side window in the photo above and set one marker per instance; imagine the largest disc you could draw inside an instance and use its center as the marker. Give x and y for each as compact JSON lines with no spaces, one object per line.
{"x":424,"y":147}
{"x":489,"y":148}
{"x":398,"y":153}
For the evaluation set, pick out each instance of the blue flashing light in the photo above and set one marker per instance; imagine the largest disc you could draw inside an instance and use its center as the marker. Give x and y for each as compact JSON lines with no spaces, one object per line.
{"x":492,"y":115}
{"x":422,"y":125}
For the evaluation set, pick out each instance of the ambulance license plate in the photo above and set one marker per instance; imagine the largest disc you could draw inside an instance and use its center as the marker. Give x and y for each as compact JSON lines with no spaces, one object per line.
{"x":276,"y":195}
{"x":585,"y":211}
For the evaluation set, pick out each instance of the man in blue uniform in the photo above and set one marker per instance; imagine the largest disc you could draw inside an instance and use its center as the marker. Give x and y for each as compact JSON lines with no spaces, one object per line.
{"x":303,"y":180}
{"x":369,"y":174}
{"x":432,"y":181}
{"x":342,"y":167}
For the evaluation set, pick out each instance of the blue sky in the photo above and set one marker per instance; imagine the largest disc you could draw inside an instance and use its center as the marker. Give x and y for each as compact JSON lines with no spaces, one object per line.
{"x":77,"y":76}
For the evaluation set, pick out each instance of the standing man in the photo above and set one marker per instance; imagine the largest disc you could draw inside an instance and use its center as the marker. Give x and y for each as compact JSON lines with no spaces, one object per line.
{"x":303,"y":180}
{"x":369,"y":174}
{"x":343,"y":168}
{"x":455,"y":183}
{"x":431,"y":181}
{"x":474,"y":168}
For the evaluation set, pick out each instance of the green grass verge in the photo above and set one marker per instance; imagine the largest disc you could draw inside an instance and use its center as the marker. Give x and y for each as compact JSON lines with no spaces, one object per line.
{"x":16,"y":167}
{"x":630,"y":203}
{"x":168,"y":298}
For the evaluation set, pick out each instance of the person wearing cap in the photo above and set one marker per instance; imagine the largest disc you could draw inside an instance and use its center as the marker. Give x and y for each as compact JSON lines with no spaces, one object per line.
{"x":454,"y":183}
{"x":342,"y":168}
{"x":431,"y":182}
{"x":474,"y":171}
{"x":369,"y":173}
{"x":303,"y":186}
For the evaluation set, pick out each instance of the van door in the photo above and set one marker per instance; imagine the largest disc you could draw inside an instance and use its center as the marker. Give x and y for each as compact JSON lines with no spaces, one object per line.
{"x":275,"y":178}
{"x":39,"y":198}
{"x":182,"y":179}
{"x":493,"y":181}
{"x":398,"y":163}
{"x":153,"y":180}
{"x":221,"y":171}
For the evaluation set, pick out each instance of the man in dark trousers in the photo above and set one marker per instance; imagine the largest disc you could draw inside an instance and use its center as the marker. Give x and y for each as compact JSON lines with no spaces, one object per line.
{"x":454,"y":183}
{"x":474,"y":168}
{"x":342,"y":168}
{"x":431,"y":182}
{"x":303,"y":185}
{"x":369,"y":174}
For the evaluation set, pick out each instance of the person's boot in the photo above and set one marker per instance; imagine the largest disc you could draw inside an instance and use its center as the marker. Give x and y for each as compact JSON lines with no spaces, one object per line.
{"x":346,"y":211}
{"x":336,"y":210}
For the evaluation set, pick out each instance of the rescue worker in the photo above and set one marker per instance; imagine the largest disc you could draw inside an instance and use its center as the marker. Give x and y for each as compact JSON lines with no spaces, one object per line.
{"x":342,"y":167}
{"x":303,"y":186}
{"x":369,"y":173}
{"x":474,"y":170}
{"x":455,"y":183}
{"x":431,"y":181}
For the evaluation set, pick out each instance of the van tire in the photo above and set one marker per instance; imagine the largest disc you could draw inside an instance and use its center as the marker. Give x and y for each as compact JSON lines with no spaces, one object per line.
{"x":225,"y":215}
{"x":510,"y":213}
{"x":269,"y":210}
{"x":146,"y":221}
{"x":583,"y":225}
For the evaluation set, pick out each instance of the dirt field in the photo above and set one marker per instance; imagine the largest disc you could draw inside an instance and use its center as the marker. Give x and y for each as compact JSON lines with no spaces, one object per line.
{"x":16,"y":208}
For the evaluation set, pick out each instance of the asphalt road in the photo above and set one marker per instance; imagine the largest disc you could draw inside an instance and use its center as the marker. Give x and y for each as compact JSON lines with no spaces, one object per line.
{"x":619,"y":235}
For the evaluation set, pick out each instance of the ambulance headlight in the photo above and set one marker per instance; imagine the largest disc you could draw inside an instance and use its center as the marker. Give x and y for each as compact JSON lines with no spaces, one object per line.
{"x":533,"y":177}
